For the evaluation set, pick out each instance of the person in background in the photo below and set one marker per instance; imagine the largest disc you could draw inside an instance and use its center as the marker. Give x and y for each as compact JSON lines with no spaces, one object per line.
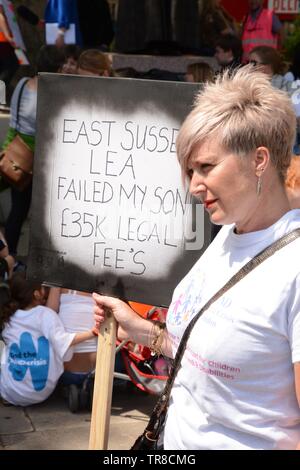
{"x":62,"y":14}
{"x":199,"y":72}
{"x":292,"y":183}
{"x":36,"y":343}
{"x":8,"y":59}
{"x":269,"y":61}
{"x":71,"y":55}
{"x":95,"y":24}
{"x":228,"y":51}
{"x":295,"y":66}
{"x":215,"y":21}
{"x":76,"y":313}
{"x":238,"y":386}
{"x":94,"y":62}
{"x":50,"y":59}
{"x":261,"y":27}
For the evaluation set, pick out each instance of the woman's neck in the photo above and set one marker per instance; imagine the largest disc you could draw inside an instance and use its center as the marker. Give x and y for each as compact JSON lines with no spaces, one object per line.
{"x":270,"y":207}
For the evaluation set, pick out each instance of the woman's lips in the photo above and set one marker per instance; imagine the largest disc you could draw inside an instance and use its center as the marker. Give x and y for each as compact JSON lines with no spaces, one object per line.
{"x":209,"y":202}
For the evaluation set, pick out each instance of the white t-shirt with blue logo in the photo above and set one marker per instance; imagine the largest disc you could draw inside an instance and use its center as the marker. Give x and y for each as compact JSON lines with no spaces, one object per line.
{"x":36,"y":345}
{"x":235,"y":389}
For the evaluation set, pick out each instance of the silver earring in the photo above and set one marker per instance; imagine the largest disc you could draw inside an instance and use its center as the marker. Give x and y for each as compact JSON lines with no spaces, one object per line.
{"x":258,"y":187}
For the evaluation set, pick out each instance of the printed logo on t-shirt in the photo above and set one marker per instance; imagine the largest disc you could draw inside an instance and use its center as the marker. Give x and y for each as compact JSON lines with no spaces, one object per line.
{"x":25,"y":357}
{"x":185,"y":306}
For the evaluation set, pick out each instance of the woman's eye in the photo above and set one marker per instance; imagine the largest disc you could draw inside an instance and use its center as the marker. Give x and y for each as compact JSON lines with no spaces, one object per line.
{"x":190,"y":173}
{"x":206,"y":167}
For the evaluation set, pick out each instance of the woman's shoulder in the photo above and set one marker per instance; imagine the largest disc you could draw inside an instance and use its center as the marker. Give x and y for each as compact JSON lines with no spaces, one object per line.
{"x":17,"y":90}
{"x":21,"y":82}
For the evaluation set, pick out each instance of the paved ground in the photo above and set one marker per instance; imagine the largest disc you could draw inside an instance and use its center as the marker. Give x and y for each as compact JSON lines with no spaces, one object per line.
{"x":51,"y":426}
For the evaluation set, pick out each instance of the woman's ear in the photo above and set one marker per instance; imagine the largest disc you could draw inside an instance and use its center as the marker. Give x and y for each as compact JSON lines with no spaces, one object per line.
{"x":262,"y":159}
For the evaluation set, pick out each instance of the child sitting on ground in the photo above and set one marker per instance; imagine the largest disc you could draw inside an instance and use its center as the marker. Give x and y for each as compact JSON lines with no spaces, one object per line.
{"x":36,"y":343}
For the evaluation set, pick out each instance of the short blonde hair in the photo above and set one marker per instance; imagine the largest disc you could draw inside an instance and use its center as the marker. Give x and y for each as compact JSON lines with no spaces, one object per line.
{"x":243,"y":111}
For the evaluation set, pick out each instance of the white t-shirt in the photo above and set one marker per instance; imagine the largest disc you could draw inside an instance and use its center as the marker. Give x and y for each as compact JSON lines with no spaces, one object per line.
{"x":235,"y":389}
{"x":76,"y":313}
{"x":36,"y":345}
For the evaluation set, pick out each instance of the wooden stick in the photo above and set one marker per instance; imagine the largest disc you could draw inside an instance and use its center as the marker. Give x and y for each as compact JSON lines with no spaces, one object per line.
{"x":103,"y":384}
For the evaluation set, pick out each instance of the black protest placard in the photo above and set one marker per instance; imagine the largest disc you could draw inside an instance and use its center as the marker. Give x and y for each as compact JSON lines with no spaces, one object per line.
{"x":110,"y":212}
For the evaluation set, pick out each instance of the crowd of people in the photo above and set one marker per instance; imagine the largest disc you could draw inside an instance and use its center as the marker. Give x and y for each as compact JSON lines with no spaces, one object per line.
{"x":238,"y":149}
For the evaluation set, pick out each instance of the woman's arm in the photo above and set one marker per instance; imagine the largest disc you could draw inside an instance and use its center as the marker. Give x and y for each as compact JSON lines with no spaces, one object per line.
{"x":80,"y":337}
{"x":63,"y":20}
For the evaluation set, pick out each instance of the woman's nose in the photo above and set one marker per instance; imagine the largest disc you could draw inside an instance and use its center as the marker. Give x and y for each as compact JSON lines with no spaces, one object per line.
{"x":197,"y":185}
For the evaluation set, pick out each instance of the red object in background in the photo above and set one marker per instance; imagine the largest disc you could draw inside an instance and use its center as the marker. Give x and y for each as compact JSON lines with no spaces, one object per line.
{"x":239,"y":10}
{"x":141,"y":309}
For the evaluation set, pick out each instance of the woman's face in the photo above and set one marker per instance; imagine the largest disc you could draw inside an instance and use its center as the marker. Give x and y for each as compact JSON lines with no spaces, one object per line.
{"x":225,"y":183}
{"x":70,"y":66}
{"x":257,"y":62}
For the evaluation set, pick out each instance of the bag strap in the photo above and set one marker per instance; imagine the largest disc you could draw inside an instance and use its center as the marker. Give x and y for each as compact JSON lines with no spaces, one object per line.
{"x":246,"y":269}
{"x":19,"y":101}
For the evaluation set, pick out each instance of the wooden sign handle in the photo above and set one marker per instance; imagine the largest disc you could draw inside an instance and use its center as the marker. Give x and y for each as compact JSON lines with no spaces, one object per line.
{"x":103,"y":384}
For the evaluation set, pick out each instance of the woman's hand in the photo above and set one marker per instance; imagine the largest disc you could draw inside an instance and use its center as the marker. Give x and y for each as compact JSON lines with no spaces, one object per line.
{"x":131,"y":326}
{"x":129,"y":322}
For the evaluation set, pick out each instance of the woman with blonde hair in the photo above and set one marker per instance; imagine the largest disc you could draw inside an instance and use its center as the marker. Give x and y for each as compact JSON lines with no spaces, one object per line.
{"x":237,"y":385}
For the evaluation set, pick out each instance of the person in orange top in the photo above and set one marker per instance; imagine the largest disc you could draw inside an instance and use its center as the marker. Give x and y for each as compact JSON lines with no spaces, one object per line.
{"x":292,"y":183}
{"x":261,"y":28}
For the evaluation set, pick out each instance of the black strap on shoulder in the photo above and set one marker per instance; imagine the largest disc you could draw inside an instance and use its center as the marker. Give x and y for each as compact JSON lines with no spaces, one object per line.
{"x":252,"y":264}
